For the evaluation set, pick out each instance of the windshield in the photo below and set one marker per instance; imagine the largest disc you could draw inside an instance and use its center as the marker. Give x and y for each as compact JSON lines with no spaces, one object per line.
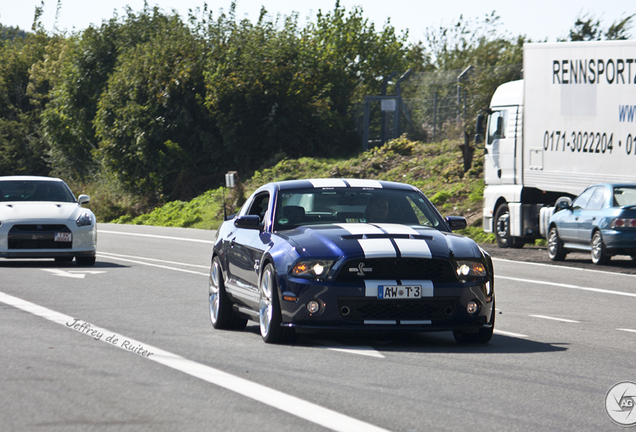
{"x":35,"y":190}
{"x":353,"y":205}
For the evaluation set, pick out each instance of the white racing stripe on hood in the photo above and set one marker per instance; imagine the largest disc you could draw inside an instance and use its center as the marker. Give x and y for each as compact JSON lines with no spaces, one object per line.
{"x":360,"y":228}
{"x":413,"y":248}
{"x":377,"y":248}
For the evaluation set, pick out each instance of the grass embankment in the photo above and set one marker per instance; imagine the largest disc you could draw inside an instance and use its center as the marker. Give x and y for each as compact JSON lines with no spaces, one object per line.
{"x":436,"y":169}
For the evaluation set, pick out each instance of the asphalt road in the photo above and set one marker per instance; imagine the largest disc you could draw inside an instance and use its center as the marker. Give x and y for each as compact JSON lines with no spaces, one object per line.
{"x":127,"y":345}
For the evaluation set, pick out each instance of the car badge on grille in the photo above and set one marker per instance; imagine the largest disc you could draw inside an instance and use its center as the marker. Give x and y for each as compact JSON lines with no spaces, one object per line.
{"x":360,"y":270}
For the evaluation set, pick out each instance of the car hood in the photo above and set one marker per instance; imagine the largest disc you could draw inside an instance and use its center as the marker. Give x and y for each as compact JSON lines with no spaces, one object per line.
{"x":39,"y":211}
{"x":380,"y":241}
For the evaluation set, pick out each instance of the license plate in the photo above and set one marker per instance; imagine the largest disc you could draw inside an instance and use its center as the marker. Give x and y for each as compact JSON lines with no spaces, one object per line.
{"x":63,"y":237}
{"x":399,"y":291}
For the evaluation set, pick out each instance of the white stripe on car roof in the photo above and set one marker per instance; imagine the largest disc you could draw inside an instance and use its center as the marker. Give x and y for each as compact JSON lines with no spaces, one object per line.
{"x":321,"y":183}
{"x":364,"y":183}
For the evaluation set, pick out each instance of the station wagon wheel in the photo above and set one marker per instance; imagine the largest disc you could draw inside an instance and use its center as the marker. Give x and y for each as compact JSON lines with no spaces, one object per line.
{"x":555,"y":246}
{"x":599,"y":254}
{"x":269,"y":310}
{"x":221,"y":314}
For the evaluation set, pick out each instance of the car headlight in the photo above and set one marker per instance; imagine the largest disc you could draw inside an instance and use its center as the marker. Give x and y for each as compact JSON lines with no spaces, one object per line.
{"x":84,"y":219}
{"x":471,"y":269}
{"x":312,"y":268}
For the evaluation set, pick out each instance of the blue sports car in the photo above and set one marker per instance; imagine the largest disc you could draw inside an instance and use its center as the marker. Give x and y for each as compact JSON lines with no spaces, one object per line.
{"x":602,"y":220}
{"x":347,"y":254}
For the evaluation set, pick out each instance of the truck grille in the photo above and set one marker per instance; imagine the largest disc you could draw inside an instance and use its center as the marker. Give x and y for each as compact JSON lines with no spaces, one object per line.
{"x":436,"y":270}
{"x":37,"y":237}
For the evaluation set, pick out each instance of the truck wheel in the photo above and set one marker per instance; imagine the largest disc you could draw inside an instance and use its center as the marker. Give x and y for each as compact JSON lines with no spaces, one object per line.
{"x":555,"y":246}
{"x":502,"y":229}
{"x":599,"y":255}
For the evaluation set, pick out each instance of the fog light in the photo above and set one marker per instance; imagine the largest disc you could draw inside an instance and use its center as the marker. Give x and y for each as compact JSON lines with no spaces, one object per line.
{"x":313,"y":306}
{"x":472,"y":307}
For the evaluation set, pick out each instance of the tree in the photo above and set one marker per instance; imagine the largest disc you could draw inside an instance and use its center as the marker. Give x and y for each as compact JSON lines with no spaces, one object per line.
{"x":587,"y":28}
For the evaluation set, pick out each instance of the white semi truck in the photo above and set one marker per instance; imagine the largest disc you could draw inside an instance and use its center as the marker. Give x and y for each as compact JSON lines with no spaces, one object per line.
{"x":570,"y":123}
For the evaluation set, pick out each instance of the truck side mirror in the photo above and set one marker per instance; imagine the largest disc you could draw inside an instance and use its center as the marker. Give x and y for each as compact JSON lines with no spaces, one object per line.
{"x":479,"y":129}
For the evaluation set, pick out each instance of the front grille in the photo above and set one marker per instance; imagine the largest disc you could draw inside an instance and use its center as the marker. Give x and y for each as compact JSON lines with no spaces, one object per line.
{"x":368,"y":308}
{"x":37,"y":237}
{"x":436,"y":270}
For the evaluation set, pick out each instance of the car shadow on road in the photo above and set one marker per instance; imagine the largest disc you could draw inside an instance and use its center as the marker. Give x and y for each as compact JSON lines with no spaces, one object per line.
{"x":420,"y":342}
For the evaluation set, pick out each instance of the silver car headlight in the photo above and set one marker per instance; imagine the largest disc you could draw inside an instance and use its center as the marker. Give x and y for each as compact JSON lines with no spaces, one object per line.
{"x":84,"y":219}
{"x":311,"y":269}
{"x":468,"y":269}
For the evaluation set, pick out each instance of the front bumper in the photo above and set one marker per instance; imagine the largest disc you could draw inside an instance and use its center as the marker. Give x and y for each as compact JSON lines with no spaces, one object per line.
{"x":350,"y":307}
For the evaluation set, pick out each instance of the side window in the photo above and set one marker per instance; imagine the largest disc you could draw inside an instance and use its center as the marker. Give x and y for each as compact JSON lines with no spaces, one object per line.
{"x":581,"y":201}
{"x":259,"y":206}
{"x":497,"y":125}
{"x":597,"y":200}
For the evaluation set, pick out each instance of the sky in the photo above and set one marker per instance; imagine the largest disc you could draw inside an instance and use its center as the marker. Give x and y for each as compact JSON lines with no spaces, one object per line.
{"x":538,"y":19}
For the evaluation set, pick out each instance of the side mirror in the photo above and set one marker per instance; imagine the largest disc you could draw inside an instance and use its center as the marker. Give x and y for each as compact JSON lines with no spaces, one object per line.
{"x":248,"y":222}
{"x":479,"y":127}
{"x":83,"y":199}
{"x":456,"y":222}
{"x":563,"y":203}
{"x":479,"y":139}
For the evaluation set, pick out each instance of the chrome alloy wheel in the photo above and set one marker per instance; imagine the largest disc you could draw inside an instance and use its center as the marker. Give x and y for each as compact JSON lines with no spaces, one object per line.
{"x":266,"y":308}
{"x":215,"y":276}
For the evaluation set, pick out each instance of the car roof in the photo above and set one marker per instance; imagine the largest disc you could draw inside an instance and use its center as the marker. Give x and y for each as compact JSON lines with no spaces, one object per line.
{"x":338,"y":183}
{"x":29,"y":178}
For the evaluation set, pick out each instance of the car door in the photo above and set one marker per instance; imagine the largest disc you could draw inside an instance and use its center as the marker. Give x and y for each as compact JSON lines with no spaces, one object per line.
{"x":246,"y":247}
{"x":588,"y":215}
{"x":568,"y":223}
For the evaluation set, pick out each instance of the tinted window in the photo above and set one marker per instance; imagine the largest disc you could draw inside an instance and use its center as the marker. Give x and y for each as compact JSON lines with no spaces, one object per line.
{"x":353,"y":205}
{"x":35,"y":190}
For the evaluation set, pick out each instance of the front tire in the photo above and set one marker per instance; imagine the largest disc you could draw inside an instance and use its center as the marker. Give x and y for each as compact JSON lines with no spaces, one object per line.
{"x":269,"y":311}
{"x":555,"y":246}
{"x":502,"y":229}
{"x":221,"y":314}
{"x":599,"y":252}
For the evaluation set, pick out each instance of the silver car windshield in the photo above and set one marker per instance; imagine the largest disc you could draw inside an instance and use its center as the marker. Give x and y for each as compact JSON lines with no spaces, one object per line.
{"x":353,"y":205}
{"x":35,"y":190}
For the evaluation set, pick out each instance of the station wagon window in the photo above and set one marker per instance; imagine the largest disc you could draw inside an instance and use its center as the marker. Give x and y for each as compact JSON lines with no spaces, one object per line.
{"x":497,"y":125}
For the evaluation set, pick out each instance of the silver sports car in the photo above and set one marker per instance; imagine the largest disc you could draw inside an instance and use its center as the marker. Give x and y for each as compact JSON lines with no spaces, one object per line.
{"x":41,"y":218}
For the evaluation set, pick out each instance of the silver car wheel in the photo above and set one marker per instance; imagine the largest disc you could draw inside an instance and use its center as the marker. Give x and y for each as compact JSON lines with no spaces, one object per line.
{"x":266,"y":311}
{"x":215,"y":275}
{"x":599,"y":256}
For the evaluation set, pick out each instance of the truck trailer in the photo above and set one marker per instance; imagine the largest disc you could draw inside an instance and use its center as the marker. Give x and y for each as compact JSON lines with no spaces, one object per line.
{"x":568,"y":124}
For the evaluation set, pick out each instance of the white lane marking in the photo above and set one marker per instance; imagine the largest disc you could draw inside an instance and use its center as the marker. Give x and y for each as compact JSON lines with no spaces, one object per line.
{"x":150,"y":264}
{"x":627,"y":330}
{"x":511,"y":334}
{"x":155,"y":236}
{"x":300,"y":408}
{"x":538,"y":282}
{"x":555,"y":319}
{"x":359,"y":350}
{"x":561,"y":267}
{"x":153,"y":259}
{"x":76,"y":274}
